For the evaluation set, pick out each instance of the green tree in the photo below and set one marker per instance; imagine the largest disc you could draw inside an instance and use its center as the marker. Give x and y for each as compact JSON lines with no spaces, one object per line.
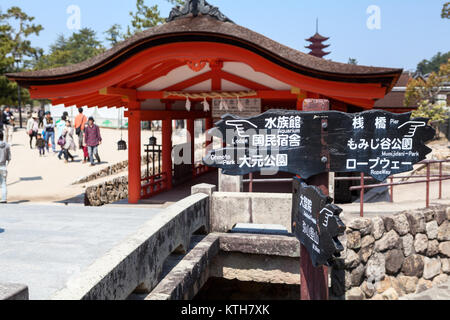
{"x":433,"y":65}
{"x":446,"y":11}
{"x":424,"y":93}
{"x":142,"y":18}
{"x":114,"y":34}
{"x":79,"y":47}
{"x":15,"y":29}
{"x":352,"y":61}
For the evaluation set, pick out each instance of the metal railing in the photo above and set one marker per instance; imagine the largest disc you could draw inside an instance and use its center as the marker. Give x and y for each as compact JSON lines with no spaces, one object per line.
{"x":429,"y":178}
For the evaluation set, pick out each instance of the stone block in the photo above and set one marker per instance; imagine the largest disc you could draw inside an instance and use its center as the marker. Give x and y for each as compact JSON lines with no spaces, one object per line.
{"x":401,"y":224}
{"x":389,"y":241}
{"x":413,"y":266}
{"x":432,"y":268}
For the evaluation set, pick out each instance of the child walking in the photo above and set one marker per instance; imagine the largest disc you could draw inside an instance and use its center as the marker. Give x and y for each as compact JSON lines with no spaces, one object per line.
{"x":85,"y":152}
{"x":40,"y":144}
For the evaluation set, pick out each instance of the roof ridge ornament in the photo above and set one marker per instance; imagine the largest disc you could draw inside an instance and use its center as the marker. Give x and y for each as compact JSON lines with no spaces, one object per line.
{"x":196,"y":8}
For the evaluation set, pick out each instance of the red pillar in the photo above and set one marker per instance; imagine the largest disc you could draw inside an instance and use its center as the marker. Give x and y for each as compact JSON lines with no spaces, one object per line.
{"x":167,"y":147}
{"x":191,"y":138}
{"x":134,"y":153}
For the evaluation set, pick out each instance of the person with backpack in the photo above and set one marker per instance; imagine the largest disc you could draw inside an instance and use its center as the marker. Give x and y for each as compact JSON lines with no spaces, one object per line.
{"x":80,"y":124}
{"x":5,"y":160}
{"x":93,"y":139}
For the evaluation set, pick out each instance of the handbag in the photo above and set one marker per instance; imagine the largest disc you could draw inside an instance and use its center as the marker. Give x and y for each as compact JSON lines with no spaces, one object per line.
{"x":62,"y":141}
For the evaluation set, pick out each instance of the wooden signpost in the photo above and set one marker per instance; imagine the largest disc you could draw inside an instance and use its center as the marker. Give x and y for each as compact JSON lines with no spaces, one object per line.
{"x":310,"y":144}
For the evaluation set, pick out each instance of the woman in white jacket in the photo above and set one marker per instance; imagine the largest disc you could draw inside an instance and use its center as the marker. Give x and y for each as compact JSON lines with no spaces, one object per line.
{"x":68,"y":133}
{"x":32,"y":128}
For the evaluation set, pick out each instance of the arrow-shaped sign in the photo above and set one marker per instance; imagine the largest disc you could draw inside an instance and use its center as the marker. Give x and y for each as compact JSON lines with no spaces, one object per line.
{"x":377,"y":143}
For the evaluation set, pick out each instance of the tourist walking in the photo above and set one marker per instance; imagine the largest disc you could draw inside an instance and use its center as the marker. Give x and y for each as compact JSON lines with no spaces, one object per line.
{"x":68,"y":135}
{"x":40,"y":144}
{"x":41,"y":115}
{"x":49,"y":127}
{"x":32,"y":128}
{"x":80,"y":124}
{"x":85,"y":153}
{"x":5,"y":159}
{"x":8,"y":124}
{"x":92,"y":139}
{"x":60,"y":126}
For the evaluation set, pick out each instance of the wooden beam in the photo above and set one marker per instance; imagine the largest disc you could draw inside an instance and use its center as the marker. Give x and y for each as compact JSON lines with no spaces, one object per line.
{"x":73,"y":100}
{"x":109,"y":102}
{"x":125,"y":94}
{"x":152,"y":75}
{"x":147,"y":115}
{"x":190,"y":82}
{"x":242,"y":81}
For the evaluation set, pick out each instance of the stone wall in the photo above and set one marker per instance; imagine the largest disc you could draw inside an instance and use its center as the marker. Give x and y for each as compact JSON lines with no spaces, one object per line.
{"x":109,"y":171}
{"x":107,"y":192}
{"x":392,"y":256}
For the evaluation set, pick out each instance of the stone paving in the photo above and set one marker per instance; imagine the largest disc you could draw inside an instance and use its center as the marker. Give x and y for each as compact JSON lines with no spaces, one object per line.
{"x":45,"y":246}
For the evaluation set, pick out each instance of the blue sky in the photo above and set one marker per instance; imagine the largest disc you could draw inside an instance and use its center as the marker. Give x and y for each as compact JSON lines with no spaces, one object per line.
{"x":411,"y":30}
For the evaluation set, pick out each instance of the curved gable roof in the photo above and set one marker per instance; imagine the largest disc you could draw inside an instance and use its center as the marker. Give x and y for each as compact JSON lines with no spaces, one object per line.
{"x":204,"y":28}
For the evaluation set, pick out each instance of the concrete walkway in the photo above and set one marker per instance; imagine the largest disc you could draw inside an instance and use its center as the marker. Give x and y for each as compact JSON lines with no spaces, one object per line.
{"x":45,"y":246}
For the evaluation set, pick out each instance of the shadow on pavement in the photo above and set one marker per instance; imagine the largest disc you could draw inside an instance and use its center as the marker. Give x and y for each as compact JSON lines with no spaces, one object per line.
{"x":79,"y":199}
{"x":18,"y":202}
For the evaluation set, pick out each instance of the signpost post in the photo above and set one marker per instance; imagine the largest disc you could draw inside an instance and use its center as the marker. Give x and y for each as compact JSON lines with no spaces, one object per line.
{"x":311,"y":144}
{"x":314,"y":280}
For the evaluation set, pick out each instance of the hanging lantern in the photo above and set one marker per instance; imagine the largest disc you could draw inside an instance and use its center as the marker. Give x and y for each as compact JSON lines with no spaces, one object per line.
{"x":153,"y":141}
{"x":122,"y":145}
{"x":188,"y":104}
{"x":221,"y":105}
{"x":239,"y":105}
{"x":206,"y":107}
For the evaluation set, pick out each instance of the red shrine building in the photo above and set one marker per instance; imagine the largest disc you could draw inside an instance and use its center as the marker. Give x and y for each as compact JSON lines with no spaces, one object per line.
{"x":200,"y":55}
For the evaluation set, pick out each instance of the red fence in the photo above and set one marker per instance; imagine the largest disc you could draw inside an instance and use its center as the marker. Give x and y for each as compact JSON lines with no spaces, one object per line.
{"x":429,"y":178}
{"x":153,"y":185}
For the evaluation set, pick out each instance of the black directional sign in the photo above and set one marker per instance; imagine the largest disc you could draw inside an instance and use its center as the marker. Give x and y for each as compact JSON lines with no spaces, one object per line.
{"x":316,"y":223}
{"x":377,"y":143}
